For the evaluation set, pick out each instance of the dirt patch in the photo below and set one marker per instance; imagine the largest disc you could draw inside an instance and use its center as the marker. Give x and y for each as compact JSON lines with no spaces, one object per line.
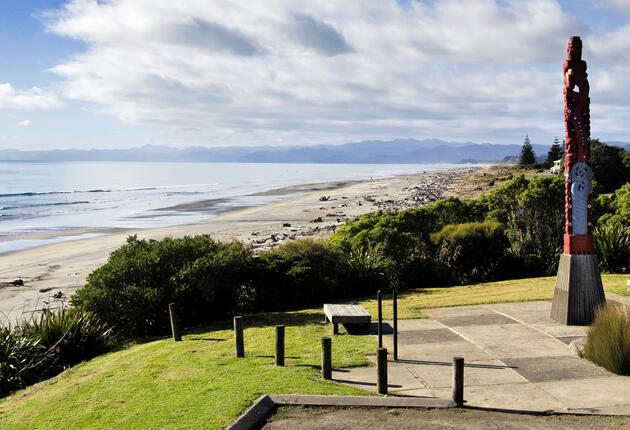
{"x":429,"y":419}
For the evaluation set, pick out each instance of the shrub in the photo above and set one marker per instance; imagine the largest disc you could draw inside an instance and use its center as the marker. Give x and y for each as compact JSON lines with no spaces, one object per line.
{"x":20,"y":360}
{"x":368,"y":269}
{"x":612,"y":246}
{"x":608,"y":340}
{"x":535,"y":221}
{"x":298,"y":273}
{"x":608,"y":164}
{"x":133,"y":289}
{"x":69,"y":335}
{"x":471,"y":251}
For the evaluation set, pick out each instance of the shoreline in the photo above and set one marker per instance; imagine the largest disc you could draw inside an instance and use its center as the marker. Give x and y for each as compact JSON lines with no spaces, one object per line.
{"x":309,"y":210}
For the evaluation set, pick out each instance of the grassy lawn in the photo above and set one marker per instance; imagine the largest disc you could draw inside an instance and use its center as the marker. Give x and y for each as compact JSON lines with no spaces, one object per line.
{"x":411,"y":302}
{"x":198,"y":383}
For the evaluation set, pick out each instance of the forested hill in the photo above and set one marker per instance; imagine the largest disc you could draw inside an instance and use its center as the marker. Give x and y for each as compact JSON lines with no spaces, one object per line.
{"x":394,"y":151}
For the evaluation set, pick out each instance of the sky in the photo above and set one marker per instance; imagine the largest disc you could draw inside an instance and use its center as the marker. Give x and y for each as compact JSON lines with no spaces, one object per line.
{"x":125,"y":73}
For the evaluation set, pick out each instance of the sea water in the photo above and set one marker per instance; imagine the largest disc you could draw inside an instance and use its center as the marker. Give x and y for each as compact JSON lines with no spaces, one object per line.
{"x":55,"y":198}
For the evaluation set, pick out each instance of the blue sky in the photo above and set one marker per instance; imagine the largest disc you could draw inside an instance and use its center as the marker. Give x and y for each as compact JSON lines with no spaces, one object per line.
{"x":125,"y":73}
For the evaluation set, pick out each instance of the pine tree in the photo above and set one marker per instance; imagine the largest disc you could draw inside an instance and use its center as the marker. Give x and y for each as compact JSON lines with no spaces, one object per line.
{"x":527,"y":153}
{"x":555,"y":152}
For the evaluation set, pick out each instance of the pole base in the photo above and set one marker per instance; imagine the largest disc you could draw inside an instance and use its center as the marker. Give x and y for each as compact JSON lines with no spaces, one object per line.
{"x":579,"y":291}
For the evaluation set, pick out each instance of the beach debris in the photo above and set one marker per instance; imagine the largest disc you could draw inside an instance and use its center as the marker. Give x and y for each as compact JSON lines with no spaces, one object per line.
{"x":255,"y":233}
{"x":274,"y":238}
{"x":286,"y":224}
{"x":324,"y":198}
{"x":18,"y":283}
{"x":318,"y":219}
{"x":45,"y":290}
{"x":58,"y":295}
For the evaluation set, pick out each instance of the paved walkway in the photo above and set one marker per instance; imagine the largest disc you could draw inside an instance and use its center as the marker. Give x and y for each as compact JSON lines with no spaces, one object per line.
{"x":516,"y":358}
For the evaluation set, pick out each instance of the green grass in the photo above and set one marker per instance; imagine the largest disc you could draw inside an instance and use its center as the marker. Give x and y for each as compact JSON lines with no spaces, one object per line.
{"x":198,"y":383}
{"x":411,"y":302}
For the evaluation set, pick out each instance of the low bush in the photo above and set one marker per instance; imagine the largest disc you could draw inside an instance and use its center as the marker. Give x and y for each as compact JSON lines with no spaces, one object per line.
{"x":69,"y":335}
{"x":45,"y":345}
{"x":20,"y":359}
{"x":296,"y":274}
{"x":133,"y":289}
{"x":471,"y":252}
{"x":608,"y":340}
{"x":612,"y":246}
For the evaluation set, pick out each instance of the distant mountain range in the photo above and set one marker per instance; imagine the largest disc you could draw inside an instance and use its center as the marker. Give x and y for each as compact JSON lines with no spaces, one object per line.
{"x":368,"y":151}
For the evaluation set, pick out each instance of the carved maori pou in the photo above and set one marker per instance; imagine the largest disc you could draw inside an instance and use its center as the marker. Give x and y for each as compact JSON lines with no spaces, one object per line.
{"x":578,"y":238}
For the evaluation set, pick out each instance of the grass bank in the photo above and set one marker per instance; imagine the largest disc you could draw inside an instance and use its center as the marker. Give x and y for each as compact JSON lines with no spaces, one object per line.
{"x":198,"y":383}
{"x":411,"y":302}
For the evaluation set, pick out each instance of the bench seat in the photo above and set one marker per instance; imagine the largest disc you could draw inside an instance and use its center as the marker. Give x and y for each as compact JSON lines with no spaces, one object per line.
{"x":348,"y":315}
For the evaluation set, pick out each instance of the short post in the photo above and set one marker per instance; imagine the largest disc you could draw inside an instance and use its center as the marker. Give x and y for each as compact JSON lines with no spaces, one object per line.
{"x":380,"y":318}
{"x":458,"y":381}
{"x":395,"y":325}
{"x":238,"y":336}
{"x":381,"y":371}
{"x":326,"y":358}
{"x":177,"y":336}
{"x":279,"y":345}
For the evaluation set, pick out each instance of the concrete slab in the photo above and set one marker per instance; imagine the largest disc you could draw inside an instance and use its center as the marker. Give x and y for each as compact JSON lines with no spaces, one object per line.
{"x":436,"y":374}
{"x":419,"y":324}
{"x":558,"y":330}
{"x":481,"y":319}
{"x":398,"y":378}
{"x":444,"y":351}
{"x":516,"y":359}
{"x":513,"y":340}
{"x":532,"y":347}
{"x":516,"y":396}
{"x":437,"y":313}
{"x":415,"y":337}
{"x":544,"y":369}
{"x":602,"y":392}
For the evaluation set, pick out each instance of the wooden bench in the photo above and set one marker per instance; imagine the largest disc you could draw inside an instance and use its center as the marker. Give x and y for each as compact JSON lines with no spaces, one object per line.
{"x":348,"y":315}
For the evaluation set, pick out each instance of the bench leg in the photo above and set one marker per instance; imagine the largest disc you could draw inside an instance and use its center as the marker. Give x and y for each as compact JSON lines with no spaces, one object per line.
{"x":335,"y":328}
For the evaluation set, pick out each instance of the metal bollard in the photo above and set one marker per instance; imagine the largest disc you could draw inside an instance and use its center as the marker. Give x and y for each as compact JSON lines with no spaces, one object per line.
{"x":380,"y":318}
{"x":279,"y":345}
{"x":381,"y":370}
{"x":326,"y":358}
{"x":458,"y":380}
{"x":238,"y":336}
{"x":395,"y":300}
{"x":177,"y":336}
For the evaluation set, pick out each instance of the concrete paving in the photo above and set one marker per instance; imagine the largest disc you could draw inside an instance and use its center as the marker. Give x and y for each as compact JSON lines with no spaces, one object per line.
{"x":516,"y":358}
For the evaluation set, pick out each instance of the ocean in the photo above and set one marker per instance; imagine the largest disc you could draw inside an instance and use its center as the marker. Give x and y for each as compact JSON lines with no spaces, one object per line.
{"x":48,"y":202}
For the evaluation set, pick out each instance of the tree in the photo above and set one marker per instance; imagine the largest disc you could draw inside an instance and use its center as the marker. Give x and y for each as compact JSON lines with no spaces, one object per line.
{"x":555,"y":152}
{"x":609,"y":169}
{"x":527,"y":153}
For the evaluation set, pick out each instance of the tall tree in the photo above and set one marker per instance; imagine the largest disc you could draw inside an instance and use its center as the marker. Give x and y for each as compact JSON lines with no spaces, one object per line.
{"x":609,"y":168}
{"x":555,"y":152}
{"x":527,"y":153}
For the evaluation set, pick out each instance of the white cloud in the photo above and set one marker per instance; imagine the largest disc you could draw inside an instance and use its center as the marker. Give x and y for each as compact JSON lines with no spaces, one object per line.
{"x":35,"y":98}
{"x":24,"y":123}
{"x":621,"y":5}
{"x":283,"y":71}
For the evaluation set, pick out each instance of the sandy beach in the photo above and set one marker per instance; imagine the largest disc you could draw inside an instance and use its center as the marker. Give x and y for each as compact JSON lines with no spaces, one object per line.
{"x":50,"y":274}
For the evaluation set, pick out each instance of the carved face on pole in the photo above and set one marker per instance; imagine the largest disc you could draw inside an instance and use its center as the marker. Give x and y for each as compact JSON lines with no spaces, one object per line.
{"x":578,"y":237}
{"x":574,"y":50}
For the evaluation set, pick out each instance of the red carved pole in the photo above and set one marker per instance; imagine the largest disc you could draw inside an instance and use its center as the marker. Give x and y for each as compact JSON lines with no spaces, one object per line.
{"x":579,"y":291}
{"x":578,"y":238}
